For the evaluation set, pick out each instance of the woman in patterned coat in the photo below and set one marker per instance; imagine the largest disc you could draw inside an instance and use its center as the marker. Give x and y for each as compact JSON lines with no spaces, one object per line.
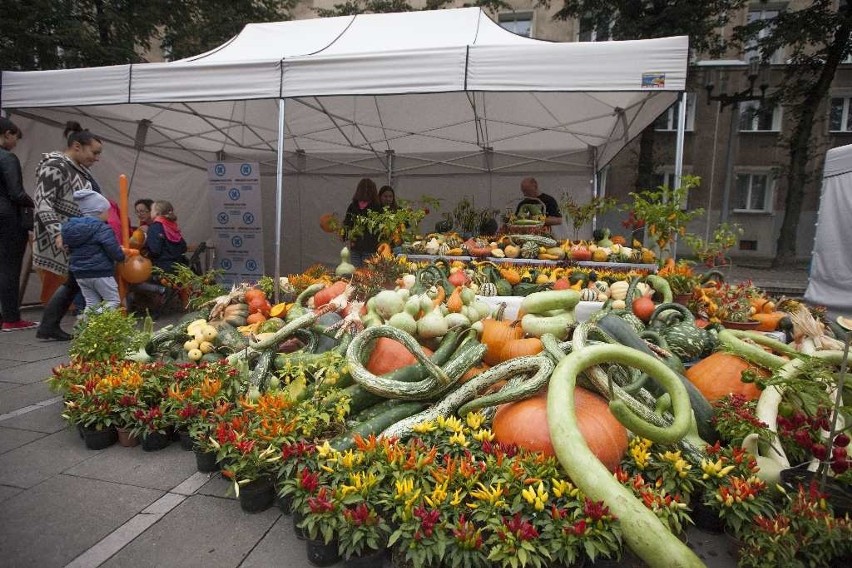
{"x":58,"y":176}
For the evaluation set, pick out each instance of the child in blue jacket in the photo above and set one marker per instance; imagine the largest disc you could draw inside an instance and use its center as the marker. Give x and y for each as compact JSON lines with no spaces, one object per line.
{"x":93,"y":249}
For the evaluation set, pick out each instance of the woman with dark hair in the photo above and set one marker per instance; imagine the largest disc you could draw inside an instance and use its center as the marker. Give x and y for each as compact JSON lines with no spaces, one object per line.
{"x":387,"y":198}
{"x":14,"y":227}
{"x":365,"y":199}
{"x":58,"y":176}
{"x":143,"y":212}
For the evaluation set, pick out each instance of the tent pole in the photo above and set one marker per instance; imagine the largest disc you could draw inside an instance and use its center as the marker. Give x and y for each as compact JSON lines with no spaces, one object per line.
{"x":594,"y":150}
{"x":279,"y":197}
{"x":681,"y":135}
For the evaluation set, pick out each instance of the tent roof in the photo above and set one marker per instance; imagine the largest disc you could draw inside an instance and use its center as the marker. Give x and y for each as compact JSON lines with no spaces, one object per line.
{"x":838,"y":161}
{"x":420,"y":84}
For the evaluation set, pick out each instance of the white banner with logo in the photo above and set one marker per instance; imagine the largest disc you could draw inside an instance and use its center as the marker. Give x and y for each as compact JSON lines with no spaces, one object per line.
{"x":237,"y":228}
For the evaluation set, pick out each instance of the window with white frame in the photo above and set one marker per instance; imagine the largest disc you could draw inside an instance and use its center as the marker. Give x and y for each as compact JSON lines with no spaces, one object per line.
{"x":839,"y":115}
{"x":666,"y":177}
{"x":753,"y":192}
{"x":757,"y":116}
{"x":516,"y":22}
{"x":668,"y":120}
{"x":751,"y":49}
{"x":591,"y":30}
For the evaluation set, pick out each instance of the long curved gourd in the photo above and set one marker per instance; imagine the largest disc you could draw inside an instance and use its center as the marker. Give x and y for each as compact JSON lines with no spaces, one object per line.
{"x":732,"y":343}
{"x":637,"y":416}
{"x":539,"y":367}
{"x":514,"y":390}
{"x":436,"y":381}
{"x":644,"y":533}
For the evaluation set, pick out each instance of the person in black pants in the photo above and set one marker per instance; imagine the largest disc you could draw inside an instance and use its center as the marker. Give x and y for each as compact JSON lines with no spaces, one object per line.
{"x":15,"y":222}
{"x":58,"y":176}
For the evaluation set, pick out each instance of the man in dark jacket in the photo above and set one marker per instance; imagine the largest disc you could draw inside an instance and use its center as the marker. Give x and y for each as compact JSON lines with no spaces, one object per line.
{"x":15,"y":223}
{"x":94,"y":249}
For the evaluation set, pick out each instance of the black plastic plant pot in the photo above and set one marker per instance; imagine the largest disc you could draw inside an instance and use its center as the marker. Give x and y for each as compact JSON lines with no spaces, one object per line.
{"x":99,"y":439}
{"x":154,"y":441}
{"x":186,"y":441}
{"x":369,"y":559}
{"x":257,"y":496}
{"x":206,"y":462}
{"x":322,"y":554}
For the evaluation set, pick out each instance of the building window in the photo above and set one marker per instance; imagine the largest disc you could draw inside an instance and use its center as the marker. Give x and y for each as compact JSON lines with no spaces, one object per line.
{"x":751,"y":49}
{"x":591,"y":30}
{"x":665,"y":177}
{"x":755,"y":116}
{"x":668,"y":120}
{"x":753,"y":192}
{"x":517,"y":22}
{"x":839,"y":118}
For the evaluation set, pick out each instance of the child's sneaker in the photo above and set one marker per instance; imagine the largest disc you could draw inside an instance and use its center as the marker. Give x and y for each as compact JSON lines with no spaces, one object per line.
{"x":18,"y":325}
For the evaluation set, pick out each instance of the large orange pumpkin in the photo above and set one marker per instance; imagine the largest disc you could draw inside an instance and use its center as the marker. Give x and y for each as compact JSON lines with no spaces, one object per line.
{"x":135,"y":269}
{"x":524,"y":424}
{"x":389,"y":355}
{"x":720,"y":374}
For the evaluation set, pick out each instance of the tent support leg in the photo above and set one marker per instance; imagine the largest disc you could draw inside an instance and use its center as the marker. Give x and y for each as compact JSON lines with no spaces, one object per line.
{"x":279,"y":197}
{"x":681,"y":136}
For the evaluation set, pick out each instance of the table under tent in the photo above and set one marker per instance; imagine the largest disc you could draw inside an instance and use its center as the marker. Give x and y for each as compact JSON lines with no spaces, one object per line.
{"x":444,"y":103}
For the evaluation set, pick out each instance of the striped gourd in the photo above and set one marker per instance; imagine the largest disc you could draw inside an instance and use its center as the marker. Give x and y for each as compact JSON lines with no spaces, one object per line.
{"x":529,"y":250}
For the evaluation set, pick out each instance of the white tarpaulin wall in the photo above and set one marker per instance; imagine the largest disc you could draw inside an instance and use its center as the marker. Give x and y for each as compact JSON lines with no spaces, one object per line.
{"x":449,"y":92}
{"x":830,"y":281}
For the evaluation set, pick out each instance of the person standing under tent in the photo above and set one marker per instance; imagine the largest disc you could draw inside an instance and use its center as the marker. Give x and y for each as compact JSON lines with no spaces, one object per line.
{"x":93,"y":249}
{"x":58,"y":176}
{"x":365,"y":199}
{"x":387,"y":198}
{"x":15,"y":224}
{"x":532,"y":196}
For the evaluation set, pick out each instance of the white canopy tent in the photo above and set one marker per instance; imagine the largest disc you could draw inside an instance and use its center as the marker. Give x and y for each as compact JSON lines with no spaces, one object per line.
{"x":830,"y":280}
{"x":440,"y":102}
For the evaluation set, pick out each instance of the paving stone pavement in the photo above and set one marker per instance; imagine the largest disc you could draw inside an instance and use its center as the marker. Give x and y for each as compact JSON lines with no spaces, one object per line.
{"x":62,"y":505}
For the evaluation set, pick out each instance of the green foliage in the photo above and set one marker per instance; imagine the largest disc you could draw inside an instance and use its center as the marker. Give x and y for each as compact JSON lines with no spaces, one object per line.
{"x":661,"y":211}
{"x":192,"y":27}
{"x":199,"y":289}
{"x":630,"y":19}
{"x":112,"y":32}
{"x":814,"y":40}
{"x":89,"y":32}
{"x":713,"y":251}
{"x":388,"y":225}
{"x":104,"y":334}
{"x":581,"y":215}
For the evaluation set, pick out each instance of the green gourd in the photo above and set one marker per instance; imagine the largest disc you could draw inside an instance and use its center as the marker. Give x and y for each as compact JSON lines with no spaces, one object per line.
{"x":345,"y":268}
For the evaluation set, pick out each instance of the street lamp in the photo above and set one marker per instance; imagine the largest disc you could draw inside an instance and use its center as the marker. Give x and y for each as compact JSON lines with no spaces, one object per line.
{"x":733,"y":100}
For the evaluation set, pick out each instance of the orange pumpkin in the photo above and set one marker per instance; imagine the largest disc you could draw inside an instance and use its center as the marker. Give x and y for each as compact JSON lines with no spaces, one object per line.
{"x":524,"y":424}
{"x":495,"y":334}
{"x":137,"y":239}
{"x":389,"y":355}
{"x":619,"y":240}
{"x":254,"y":293}
{"x":256,"y":317}
{"x":521,"y":348}
{"x":135,"y":269}
{"x":768,"y":321}
{"x":329,"y":223}
{"x":720,"y":374}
